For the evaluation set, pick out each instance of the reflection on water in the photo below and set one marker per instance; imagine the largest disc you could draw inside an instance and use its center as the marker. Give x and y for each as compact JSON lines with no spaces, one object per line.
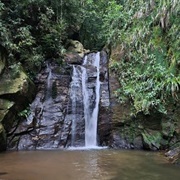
{"x":86,"y":165}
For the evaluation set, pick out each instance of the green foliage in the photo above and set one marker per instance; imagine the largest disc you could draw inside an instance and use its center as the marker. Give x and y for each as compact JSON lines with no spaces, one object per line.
{"x":30,"y":32}
{"x":95,"y":26}
{"x":147,"y":32}
{"x":149,"y":69}
{"x":152,"y":140}
{"x":25,"y":113}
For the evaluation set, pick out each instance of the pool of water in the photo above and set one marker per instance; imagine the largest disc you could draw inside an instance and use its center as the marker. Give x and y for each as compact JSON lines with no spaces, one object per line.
{"x":82,"y":164}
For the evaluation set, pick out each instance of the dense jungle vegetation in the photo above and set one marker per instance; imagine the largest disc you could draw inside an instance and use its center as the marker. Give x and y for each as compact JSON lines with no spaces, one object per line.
{"x":144,"y":34}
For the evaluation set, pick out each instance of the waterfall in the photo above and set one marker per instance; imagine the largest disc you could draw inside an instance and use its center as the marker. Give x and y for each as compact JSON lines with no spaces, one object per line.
{"x":91,"y":118}
{"x":74,"y":88}
{"x":49,"y":83}
{"x":90,"y":98}
{"x":65,"y":110}
{"x":92,"y":134}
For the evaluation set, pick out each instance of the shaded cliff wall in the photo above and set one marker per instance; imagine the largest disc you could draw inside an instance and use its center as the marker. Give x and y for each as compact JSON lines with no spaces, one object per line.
{"x":153,"y":132}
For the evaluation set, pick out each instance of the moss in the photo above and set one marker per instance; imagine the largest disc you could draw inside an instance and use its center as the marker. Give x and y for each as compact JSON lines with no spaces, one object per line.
{"x":130,"y":131}
{"x":168,"y":129}
{"x":16,"y":84}
{"x":152,"y":140}
{"x":5,"y":105}
{"x":9,"y":86}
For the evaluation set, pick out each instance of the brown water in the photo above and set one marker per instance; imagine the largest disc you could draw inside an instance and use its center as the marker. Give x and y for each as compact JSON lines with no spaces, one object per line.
{"x":86,"y":165}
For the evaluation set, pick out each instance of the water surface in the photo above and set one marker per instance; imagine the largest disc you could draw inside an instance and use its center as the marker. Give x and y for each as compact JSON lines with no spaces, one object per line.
{"x":86,"y":165}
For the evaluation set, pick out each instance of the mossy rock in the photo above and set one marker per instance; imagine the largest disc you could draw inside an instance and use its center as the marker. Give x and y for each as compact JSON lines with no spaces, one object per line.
{"x":16,"y":92}
{"x":2,"y":138}
{"x":16,"y":84}
{"x":153,"y":140}
{"x":76,"y":47}
{"x":73,"y":58}
{"x":168,"y":129}
{"x":5,"y":106}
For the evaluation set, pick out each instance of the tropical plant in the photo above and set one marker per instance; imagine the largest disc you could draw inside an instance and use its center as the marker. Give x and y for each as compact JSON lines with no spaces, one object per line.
{"x":149,"y":68}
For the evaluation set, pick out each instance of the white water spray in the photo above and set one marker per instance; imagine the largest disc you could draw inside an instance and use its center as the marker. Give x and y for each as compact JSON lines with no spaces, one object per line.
{"x":49,"y":83}
{"x":75,"y":85}
{"x":90,"y":101}
{"x":91,"y":118}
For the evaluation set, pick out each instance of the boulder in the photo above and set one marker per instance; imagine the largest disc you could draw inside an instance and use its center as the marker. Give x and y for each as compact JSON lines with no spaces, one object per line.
{"x":76,"y":47}
{"x":75,"y":52}
{"x":16,"y":85}
{"x":16,"y":92}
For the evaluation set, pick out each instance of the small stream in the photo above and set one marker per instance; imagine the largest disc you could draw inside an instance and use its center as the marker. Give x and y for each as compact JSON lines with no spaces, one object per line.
{"x":101,"y":164}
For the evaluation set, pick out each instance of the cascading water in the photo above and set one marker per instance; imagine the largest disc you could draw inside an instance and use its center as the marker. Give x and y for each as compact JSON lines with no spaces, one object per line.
{"x":91,"y":118}
{"x":90,"y":99}
{"x":65,"y":110}
{"x":74,"y":88}
{"x":49,"y":83}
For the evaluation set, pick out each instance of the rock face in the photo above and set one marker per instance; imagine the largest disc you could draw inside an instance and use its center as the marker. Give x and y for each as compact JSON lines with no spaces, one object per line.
{"x":16,"y":91}
{"x":56,"y":118}
{"x":104,"y":124}
{"x":151,"y":132}
{"x":43,"y":125}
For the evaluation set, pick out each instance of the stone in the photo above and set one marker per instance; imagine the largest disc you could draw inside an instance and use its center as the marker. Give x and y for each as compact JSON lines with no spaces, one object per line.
{"x":16,"y":92}
{"x":73,"y":58}
{"x":5,"y":106}
{"x":173,"y":155}
{"x":152,"y":140}
{"x":16,"y":85}
{"x":76,"y":47}
{"x":49,"y":125}
{"x":43,"y":125}
{"x":2,"y":138}
{"x":119,"y":142}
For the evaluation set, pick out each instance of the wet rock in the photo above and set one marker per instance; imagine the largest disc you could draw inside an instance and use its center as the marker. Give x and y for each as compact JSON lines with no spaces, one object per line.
{"x":174,"y":155}
{"x":104,"y":121}
{"x":54,"y":121}
{"x":119,"y":142}
{"x":41,"y":129}
{"x":73,"y":58}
